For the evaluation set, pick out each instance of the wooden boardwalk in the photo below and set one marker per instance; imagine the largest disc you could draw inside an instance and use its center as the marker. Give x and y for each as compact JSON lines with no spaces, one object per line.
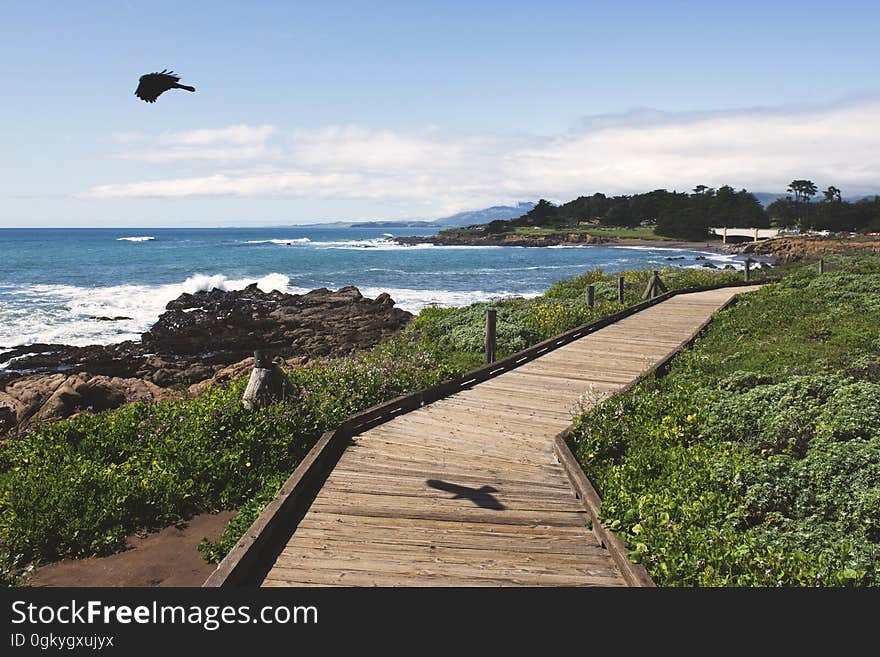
{"x":468,"y":490}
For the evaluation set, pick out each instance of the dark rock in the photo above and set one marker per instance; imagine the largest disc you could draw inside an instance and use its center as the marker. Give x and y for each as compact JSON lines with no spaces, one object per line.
{"x":709,"y":265}
{"x":237,"y":323}
{"x":8,"y":417}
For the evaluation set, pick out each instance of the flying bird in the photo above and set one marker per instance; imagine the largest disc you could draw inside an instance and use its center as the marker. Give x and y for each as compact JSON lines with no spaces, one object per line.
{"x":151,"y":85}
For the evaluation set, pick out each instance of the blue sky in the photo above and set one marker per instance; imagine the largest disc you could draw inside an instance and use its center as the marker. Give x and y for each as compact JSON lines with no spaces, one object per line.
{"x":356,"y":110}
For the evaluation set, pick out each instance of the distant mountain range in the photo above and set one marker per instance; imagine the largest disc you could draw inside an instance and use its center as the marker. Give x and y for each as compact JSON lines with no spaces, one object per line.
{"x":468,"y":218}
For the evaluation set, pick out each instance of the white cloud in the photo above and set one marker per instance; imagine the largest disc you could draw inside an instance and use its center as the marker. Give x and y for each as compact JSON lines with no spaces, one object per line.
{"x":216,"y":154}
{"x":241,"y":135}
{"x":237,"y":142}
{"x":759,"y":149}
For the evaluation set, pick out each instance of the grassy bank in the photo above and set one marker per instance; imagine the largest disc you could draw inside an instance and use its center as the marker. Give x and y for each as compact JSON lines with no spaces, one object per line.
{"x":78,"y":487}
{"x":611,"y":232}
{"x":756,"y":460}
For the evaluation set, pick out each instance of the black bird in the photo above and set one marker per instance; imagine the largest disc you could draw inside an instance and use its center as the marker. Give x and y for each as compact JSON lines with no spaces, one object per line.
{"x":151,"y":85}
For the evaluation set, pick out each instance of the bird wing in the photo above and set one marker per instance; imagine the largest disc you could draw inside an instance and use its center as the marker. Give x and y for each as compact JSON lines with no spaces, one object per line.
{"x":152,"y":85}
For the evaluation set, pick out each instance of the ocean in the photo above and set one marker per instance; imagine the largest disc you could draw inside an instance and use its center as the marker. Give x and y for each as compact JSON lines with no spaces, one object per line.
{"x":99,"y":286}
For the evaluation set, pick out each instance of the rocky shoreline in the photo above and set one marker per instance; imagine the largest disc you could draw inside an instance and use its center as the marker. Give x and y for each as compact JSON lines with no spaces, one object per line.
{"x":201,"y":339}
{"x":791,"y":249}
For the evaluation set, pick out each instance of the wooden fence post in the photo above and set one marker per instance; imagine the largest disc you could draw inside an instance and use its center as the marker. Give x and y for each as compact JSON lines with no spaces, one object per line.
{"x":620,"y":290}
{"x":258,"y":386}
{"x":746,"y":264}
{"x":821,"y":265}
{"x":591,"y":295}
{"x":649,"y":289}
{"x":490,"y":335}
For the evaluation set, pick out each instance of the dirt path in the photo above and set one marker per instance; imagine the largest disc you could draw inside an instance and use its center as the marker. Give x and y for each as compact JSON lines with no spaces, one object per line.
{"x":169,"y":557}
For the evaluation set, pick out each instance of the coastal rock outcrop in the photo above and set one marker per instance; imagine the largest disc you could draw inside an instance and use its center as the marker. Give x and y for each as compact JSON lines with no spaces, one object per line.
{"x":318,"y":323}
{"x":45,"y":396}
{"x":789,"y":249}
{"x":201,"y":339}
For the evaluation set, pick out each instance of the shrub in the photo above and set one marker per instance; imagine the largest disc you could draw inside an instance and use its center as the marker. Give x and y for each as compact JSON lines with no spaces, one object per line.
{"x":771,"y":418}
{"x":852,"y":412}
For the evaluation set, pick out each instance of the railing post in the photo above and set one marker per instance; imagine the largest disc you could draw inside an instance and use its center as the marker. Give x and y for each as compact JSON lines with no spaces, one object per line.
{"x":257,"y":390}
{"x":490,"y":335}
{"x":620,"y":290}
{"x":651,"y":287}
{"x":591,"y":295}
{"x":821,"y":265}
{"x":746,"y":264}
{"x":655,"y":284}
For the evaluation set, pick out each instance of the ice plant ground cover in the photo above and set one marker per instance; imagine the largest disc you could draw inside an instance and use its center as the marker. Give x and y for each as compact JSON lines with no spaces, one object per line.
{"x":756,"y":460}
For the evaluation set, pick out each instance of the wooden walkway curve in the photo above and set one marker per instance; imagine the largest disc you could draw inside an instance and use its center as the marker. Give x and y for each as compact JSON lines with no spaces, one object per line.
{"x":468,"y":491}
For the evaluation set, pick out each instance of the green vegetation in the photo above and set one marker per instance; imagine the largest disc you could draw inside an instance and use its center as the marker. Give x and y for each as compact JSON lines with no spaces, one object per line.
{"x":756,"y":460}
{"x":596,"y":230}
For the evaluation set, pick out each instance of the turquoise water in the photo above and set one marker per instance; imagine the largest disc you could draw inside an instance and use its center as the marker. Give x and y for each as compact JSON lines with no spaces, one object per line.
{"x":56,"y":283}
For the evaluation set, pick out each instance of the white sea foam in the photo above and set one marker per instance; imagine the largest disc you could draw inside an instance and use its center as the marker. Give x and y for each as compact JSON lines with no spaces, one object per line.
{"x":414,"y":300}
{"x":386,"y":243}
{"x":142,"y":238}
{"x":713,"y":257}
{"x":285,"y":242}
{"x":69,"y":314}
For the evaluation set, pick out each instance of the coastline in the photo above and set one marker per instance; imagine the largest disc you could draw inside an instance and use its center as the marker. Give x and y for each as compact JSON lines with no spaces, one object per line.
{"x":573,"y":240}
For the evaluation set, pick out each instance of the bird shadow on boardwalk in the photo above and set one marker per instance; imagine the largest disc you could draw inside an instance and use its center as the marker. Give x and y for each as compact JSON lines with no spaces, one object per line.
{"x":482,"y":496}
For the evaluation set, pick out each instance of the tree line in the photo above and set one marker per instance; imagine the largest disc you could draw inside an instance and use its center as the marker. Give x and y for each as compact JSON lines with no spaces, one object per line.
{"x":686,"y":215}
{"x":828,"y":212}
